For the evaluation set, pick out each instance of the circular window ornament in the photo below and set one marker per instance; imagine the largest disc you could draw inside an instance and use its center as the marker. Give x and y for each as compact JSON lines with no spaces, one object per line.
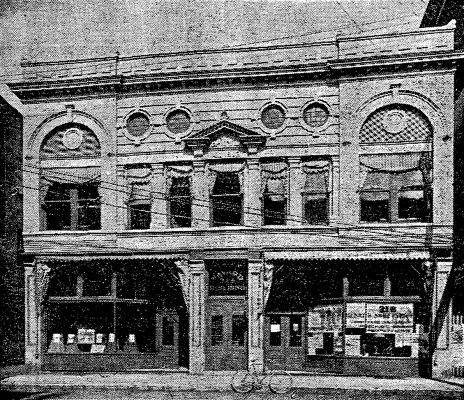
{"x":273,"y":117}
{"x":178,"y":122}
{"x":72,"y":138}
{"x":394,"y":121}
{"x":315,"y":115}
{"x":137,"y":124}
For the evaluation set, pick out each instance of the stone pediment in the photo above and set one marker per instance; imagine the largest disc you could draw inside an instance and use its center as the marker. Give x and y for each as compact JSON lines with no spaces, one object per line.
{"x":224,"y":135}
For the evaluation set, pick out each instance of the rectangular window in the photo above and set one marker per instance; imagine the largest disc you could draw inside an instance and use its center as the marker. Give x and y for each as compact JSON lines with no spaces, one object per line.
{"x":140,"y":216}
{"x":375,"y":206}
{"x":70,"y":207}
{"x":274,"y":192}
{"x":227,"y":200}
{"x":168,"y":331}
{"x":316,"y":193}
{"x":239,"y":329}
{"x":180,"y":203}
{"x":274,"y":210}
{"x":316,"y":209}
{"x":275,"y":335}
{"x":217,"y":330}
{"x":295,"y":331}
{"x":411,"y":204}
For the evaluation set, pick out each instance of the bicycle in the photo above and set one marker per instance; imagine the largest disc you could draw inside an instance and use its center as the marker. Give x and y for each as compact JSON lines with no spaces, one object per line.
{"x":280,"y":382}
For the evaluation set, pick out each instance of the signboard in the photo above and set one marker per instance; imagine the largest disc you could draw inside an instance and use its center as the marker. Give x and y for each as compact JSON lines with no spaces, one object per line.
{"x":356,"y":315}
{"x":389,"y":317}
{"x":326,"y":318}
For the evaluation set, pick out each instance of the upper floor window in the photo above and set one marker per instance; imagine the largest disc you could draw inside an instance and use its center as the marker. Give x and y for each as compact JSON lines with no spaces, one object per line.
{"x":316,"y":193}
{"x":140,"y":207}
{"x":72,"y":207}
{"x":69,"y":194}
{"x":396,"y":188}
{"x":274,"y":196}
{"x":226,"y":195}
{"x":179,"y":195}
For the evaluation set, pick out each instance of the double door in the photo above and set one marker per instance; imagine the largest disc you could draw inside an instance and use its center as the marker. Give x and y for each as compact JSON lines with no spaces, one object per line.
{"x":226,"y":333}
{"x":284,"y":342}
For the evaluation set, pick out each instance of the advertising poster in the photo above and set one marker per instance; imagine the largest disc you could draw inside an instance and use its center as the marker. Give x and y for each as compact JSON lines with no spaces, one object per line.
{"x":389,"y":317}
{"x":315,"y":341}
{"x":326,"y":318}
{"x":356,"y":315}
{"x":353,"y":345}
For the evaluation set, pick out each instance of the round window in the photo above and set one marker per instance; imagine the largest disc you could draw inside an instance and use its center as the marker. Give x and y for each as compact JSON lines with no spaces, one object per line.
{"x":137,"y":124}
{"x":315,"y":115}
{"x":178,"y":121}
{"x":273,"y":117}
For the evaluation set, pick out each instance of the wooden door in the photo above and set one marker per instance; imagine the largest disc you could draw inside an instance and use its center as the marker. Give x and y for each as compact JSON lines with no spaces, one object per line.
{"x":284,"y":342}
{"x":226,"y":333}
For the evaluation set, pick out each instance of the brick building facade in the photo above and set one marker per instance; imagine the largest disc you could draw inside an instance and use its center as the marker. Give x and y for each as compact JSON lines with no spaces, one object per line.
{"x":284,"y":205}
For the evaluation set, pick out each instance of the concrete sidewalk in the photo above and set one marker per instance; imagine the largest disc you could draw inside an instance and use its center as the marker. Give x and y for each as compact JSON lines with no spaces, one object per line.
{"x":220,"y":381}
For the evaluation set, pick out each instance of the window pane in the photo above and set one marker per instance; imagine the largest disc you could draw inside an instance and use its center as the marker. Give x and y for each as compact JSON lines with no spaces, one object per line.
{"x":217,"y":333}
{"x":87,"y":192}
{"x":275,"y":336}
{"x":63,"y":282}
{"x":411,"y":205}
{"x":97,"y":281}
{"x":316,"y":210}
{"x":138,"y":320}
{"x":168,"y":331}
{"x":58,"y":191}
{"x":181,"y":212}
{"x":227,"y":183}
{"x":88,"y":216}
{"x":227,"y":278}
{"x":295,"y":331}
{"x":274,"y":210}
{"x":239,"y":329}
{"x":374,"y":206}
{"x":140,"y":216}
{"x":227,"y":210}
{"x":58,"y":215}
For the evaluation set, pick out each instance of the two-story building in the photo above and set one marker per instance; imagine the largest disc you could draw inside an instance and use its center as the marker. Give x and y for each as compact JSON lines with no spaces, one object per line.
{"x":287,"y":205}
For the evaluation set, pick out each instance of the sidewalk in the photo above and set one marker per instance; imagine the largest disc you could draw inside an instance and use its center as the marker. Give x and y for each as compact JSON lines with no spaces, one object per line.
{"x":220,"y":381}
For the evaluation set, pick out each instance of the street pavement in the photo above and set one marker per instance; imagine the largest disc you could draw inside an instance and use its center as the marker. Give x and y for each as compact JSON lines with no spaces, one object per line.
{"x":215,"y":385}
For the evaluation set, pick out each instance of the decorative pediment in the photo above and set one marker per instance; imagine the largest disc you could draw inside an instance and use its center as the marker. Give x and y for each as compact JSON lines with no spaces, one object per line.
{"x":224,"y":135}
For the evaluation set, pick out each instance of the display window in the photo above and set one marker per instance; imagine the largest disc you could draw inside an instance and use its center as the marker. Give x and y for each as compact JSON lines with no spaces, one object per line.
{"x":109,"y":307}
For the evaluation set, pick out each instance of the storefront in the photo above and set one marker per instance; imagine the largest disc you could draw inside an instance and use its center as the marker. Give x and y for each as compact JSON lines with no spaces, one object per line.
{"x":349,"y":317}
{"x":113,"y":315}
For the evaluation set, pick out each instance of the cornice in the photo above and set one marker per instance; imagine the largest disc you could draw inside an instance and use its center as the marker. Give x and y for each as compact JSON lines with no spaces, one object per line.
{"x":120,"y":84}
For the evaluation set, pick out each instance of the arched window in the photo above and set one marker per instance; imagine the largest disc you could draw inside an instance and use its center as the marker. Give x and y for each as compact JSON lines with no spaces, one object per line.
{"x":70,"y":194}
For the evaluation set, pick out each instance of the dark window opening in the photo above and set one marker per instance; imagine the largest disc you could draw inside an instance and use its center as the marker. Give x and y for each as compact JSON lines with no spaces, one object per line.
{"x":168,"y":331}
{"x":316,"y":209}
{"x":70,"y":207}
{"x":411,"y":204}
{"x":239,"y":329}
{"x":140,"y":216}
{"x":217,"y":330}
{"x":275,"y":335}
{"x":374,"y":206}
{"x":275,"y":210}
{"x":227,"y":200}
{"x":180,"y":203}
{"x":295,"y":331}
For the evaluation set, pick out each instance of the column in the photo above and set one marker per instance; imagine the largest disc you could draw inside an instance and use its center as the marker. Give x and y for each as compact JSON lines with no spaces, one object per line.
{"x":122,"y":196}
{"x":197,"y":317}
{"x":158,"y":205}
{"x":334,"y":187}
{"x":255,"y":314}
{"x":32,"y":351}
{"x":295,"y":200}
{"x":441,"y":278}
{"x":253,"y":198}
{"x":200,"y":196}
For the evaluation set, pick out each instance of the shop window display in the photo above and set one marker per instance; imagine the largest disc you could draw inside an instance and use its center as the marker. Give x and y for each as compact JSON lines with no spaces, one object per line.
{"x":107,"y":308}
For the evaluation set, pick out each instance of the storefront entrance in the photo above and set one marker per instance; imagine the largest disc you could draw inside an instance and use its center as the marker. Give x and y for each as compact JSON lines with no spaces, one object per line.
{"x":226,"y":334}
{"x":284,"y":341}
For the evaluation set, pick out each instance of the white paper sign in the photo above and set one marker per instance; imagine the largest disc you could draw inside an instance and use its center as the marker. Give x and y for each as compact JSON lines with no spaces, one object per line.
{"x":275,"y":328}
{"x":356,"y":315}
{"x":353,"y":345}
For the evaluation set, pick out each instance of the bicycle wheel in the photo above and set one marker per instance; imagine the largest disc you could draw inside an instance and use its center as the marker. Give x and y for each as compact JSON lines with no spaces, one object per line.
{"x":280,"y":382}
{"x":242,"y":382}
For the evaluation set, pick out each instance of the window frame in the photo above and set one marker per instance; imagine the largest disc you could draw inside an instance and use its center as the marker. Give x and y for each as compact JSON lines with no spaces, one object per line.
{"x":179,"y":198}
{"x":238,"y":196}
